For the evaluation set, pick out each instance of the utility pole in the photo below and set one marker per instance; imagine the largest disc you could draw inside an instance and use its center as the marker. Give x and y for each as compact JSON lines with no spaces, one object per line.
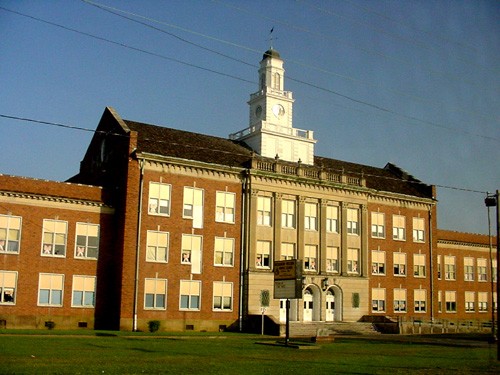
{"x":490,"y":201}
{"x":498,"y":268}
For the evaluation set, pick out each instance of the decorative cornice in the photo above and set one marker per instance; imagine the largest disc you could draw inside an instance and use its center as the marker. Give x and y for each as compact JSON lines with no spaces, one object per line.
{"x":52,"y":199}
{"x":464,"y":244}
{"x":191,"y":166}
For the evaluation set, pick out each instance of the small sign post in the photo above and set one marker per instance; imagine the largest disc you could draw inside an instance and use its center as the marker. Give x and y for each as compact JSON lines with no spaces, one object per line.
{"x":287,"y":285}
{"x":264,"y":304}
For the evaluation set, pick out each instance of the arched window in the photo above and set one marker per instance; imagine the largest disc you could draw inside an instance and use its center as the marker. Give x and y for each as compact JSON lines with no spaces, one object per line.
{"x":277,"y":81}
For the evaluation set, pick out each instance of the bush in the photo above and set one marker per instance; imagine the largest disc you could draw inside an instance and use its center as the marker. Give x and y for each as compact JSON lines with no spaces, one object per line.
{"x":154,"y":325}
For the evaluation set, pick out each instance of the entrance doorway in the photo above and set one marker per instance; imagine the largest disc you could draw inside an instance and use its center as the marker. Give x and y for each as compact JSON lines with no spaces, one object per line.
{"x":292,"y":312}
{"x":308,"y":306}
{"x":330,"y":306}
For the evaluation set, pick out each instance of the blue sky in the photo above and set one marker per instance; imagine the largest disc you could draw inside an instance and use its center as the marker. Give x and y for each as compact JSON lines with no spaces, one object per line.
{"x":415,"y":83}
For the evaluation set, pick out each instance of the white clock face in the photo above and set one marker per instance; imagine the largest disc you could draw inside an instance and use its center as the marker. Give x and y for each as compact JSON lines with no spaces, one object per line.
{"x":278,"y":110}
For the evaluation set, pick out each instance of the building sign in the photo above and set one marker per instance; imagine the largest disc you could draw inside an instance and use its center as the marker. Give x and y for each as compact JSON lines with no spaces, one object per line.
{"x":287,"y":279}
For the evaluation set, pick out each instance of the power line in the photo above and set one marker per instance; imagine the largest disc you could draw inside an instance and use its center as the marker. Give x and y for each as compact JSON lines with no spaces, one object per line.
{"x":339,"y":40}
{"x":417,"y":43}
{"x":380,"y":108}
{"x":173,"y":143}
{"x":127,"y":46}
{"x":386,"y":17}
{"x":383,"y":109}
{"x":117,"y":12}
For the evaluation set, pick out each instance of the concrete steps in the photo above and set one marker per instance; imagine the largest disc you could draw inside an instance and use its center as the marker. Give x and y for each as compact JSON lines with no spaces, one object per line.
{"x":313,"y":329}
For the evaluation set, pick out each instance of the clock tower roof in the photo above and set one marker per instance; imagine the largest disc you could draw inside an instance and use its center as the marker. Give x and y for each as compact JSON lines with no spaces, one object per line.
{"x":271,"y":53}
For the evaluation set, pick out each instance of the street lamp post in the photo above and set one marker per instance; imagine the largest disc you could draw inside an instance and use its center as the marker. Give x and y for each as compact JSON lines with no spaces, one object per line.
{"x":491,"y":201}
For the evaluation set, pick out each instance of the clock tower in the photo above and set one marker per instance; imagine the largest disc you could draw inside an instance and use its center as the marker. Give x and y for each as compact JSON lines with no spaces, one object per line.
{"x":271,"y":133}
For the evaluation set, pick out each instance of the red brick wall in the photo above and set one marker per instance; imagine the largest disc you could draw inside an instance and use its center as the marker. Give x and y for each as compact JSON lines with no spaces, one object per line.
{"x":462,"y":245}
{"x":389,"y":281}
{"x":29,"y":263}
{"x":174,"y":271}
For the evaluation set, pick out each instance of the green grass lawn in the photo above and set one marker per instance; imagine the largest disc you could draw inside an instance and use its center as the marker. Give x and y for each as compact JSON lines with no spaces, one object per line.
{"x":128,"y":353}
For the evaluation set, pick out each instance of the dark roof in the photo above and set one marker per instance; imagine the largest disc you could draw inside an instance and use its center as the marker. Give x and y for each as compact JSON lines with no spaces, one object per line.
{"x":391,"y":178}
{"x":187,"y":145}
{"x":214,"y":150}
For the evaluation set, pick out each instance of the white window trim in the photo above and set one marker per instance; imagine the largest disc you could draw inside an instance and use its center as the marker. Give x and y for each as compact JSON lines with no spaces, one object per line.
{"x":232,"y":296}
{"x":43,"y":251}
{"x":86,"y":257}
{"x":5,"y":250}
{"x":160,"y":184}
{"x":39,"y":289}
{"x":83,"y":306}
{"x":166,"y":294}
{"x":199,"y":296}
{"x":13,"y":289}
{"x":233,"y":241}
{"x":225,"y":207}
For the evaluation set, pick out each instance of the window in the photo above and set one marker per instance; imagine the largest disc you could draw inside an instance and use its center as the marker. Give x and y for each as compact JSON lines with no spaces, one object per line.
{"x":159,"y":198}
{"x":54,"y":237}
{"x":420,"y":300}
{"x":310,"y":257}
{"x":287,"y":251}
{"x":398,"y":227}
{"x":469,"y":301}
{"x":263,"y":254}
{"x":311,"y":216}
{"x":399,"y":260}
{"x":469,"y":269}
{"x":399,"y":300}
{"x":264,"y":211}
{"x":224,"y":251}
{"x":494,"y":270}
{"x":83,"y":291}
{"x":378,"y":225}
{"x":277,"y":81}
{"x":419,"y":265}
{"x":193,"y":206}
{"x":155,"y":294}
{"x":494,"y":298}
{"x":440,"y":301}
{"x":450,"y":299}
{"x":439,"y":266}
{"x":87,"y":240}
{"x":482,"y":301}
{"x":378,"y":262}
{"x":332,"y":259}
{"x":50,"y":289}
{"x":8,"y":287}
{"x":190,"y":295}
{"x":482,"y":274}
{"x":223,"y":296}
{"x":10,"y":233}
{"x":353,"y":261}
{"x":191,"y":251}
{"x":450,"y":269}
{"x":287,"y":213}
{"x":352,"y":221}
{"x":418,"y":229}
{"x":224,"y":207}
{"x":157,"y":246}
{"x":378,"y":300}
{"x":332,"y":219}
